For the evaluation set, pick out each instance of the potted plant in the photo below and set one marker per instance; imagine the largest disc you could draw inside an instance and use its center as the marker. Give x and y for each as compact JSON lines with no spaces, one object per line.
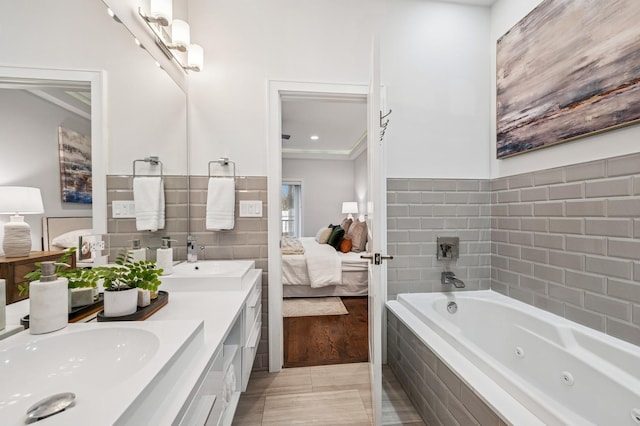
{"x":121,"y":283}
{"x":77,"y":277}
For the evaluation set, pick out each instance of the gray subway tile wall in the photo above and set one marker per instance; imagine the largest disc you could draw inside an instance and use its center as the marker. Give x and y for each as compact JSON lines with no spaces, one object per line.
{"x":566,"y":239}
{"x":248,"y":240}
{"x":420,"y":210}
{"x":585,"y":251}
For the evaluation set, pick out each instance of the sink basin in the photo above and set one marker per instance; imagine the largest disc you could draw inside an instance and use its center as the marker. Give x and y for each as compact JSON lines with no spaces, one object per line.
{"x":98,"y":362}
{"x":207,"y":275}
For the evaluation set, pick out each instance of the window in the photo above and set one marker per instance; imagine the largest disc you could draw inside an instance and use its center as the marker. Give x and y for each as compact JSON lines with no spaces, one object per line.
{"x":291,"y":209}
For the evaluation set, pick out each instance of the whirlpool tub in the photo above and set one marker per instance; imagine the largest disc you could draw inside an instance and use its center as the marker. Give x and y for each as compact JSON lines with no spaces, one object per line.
{"x":526,"y":365}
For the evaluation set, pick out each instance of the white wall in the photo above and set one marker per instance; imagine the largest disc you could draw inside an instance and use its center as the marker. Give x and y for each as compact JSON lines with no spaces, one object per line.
{"x":247,"y":43}
{"x":29,"y":133}
{"x":505,"y":14}
{"x":146,"y":111}
{"x":360,"y":182}
{"x":326,"y":184}
{"x":435,"y":67}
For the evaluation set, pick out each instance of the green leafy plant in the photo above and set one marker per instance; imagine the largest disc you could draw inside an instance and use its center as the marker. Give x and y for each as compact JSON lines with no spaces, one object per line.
{"x":77,"y":277}
{"x":129,"y":274}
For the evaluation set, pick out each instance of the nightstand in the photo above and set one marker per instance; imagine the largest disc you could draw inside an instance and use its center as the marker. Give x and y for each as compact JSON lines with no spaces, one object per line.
{"x":13,"y":270}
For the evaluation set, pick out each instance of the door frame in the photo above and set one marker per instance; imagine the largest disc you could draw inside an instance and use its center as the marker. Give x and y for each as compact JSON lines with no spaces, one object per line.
{"x":276,"y":90}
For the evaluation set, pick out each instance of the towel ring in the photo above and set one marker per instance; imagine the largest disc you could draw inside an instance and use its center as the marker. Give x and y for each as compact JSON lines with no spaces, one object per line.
{"x":154,"y":162}
{"x":222,"y":161}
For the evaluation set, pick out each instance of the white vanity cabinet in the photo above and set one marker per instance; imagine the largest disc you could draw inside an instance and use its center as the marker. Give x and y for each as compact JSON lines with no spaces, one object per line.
{"x":215,"y":396}
{"x":252,"y":329}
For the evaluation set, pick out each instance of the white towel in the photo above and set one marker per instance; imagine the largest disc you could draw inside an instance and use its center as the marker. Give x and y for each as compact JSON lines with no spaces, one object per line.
{"x":221,"y":203}
{"x":148,"y":195}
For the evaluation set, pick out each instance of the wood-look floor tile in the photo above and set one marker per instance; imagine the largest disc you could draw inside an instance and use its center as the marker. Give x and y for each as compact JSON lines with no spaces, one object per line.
{"x":249,"y":411}
{"x":317,"y":408}
{"x":340,"y":377}
{"x":287,"y":381}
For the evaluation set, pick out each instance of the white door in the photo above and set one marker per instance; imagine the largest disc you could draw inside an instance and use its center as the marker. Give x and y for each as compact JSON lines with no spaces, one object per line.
{"x":376,"y":217}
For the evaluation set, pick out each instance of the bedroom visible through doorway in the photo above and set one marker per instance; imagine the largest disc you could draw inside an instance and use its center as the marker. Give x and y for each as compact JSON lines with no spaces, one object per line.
{"x":324,"y":201}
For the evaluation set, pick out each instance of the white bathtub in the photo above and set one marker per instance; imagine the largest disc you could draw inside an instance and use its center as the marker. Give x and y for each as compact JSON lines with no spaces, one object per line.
{"x":527,"y":364}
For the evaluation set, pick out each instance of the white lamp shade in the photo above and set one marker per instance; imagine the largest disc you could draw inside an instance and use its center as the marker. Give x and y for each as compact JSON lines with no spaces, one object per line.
{"x":180,"y":34}
{"x":350,"y":207}
{"x":161,"y":11}
{"x":195,"y":57}
{"x":20,"y":200}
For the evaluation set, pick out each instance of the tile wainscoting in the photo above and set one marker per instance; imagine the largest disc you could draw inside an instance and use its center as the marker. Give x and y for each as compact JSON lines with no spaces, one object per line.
{"x":248,"y":240}
{"x":420,"y":210}
{"x":566,"y":240}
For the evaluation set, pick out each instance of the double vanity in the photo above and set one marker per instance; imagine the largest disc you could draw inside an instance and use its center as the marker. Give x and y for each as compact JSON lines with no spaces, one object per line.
{"x":185,"y":365}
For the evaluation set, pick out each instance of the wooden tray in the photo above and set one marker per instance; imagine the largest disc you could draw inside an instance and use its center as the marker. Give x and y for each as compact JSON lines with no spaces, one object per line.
{"x":77,"y":314}
{"x":142,"y":313}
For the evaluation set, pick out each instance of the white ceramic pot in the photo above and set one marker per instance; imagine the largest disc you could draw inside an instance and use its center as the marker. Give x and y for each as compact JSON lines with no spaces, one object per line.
{"x":120,"y":303}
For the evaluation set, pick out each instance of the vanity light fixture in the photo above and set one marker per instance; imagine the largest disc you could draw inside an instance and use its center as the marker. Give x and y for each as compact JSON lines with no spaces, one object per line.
{"x":160,"y":12}
{"x":314,"y":137}
{"x":180,"y":37}
{"x":174,"y":41}
{"x":18,"y":201}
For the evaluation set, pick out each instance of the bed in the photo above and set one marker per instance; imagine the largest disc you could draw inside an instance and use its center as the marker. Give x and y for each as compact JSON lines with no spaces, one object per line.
{"x":322,"y":271}
{"x":62,"y":233}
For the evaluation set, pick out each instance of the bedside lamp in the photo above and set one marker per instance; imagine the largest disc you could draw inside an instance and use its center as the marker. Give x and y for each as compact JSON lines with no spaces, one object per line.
{"x":350,"y":208}
{"x":17,"y":201}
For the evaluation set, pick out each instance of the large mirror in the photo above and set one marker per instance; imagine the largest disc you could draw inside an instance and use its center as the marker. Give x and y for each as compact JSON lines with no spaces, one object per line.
{"x":69,"y":65}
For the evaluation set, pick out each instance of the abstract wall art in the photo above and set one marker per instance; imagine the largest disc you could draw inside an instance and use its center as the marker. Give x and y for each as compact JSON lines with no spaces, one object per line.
{"x":569,"y":69}
{"x":75,"y":166}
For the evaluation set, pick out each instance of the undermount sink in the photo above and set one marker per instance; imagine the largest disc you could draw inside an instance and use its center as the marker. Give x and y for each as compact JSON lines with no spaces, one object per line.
{"x":106,"y":365}
{"x":207,"y":275}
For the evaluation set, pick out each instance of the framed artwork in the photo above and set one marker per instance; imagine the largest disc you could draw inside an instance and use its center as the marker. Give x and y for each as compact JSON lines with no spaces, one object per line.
{"x":569,"y":69}
{"x":75,"y":166}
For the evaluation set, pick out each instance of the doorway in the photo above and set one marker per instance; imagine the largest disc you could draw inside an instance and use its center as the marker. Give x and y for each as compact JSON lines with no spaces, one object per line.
{"x":290,"y":92}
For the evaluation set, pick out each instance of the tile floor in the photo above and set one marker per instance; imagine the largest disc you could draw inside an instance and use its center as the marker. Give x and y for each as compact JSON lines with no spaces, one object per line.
{"x":322,"y":395}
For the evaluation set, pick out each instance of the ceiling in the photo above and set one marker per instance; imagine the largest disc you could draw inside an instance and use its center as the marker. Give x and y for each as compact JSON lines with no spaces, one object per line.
{"x":472,"y":2}
{"x":340,"y":123}
{"x":73,"y":96}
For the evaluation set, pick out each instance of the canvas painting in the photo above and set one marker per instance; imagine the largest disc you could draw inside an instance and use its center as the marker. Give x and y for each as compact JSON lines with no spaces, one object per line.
{"x":75,"y":166}
{"x":569,"y":69}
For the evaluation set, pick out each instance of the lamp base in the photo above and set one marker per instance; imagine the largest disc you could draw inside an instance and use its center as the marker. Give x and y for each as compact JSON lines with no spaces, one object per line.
{"x":17,"y":238}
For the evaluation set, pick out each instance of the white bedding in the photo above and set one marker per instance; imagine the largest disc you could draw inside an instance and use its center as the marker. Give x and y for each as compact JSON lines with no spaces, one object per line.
{"x":320,"y":266}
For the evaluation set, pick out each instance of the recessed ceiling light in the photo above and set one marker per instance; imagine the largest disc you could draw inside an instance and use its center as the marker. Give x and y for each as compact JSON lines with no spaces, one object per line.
{"x":315,"y":137}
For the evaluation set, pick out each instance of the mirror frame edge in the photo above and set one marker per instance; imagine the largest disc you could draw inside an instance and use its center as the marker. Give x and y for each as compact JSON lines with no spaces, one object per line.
{"x":97,"y":79}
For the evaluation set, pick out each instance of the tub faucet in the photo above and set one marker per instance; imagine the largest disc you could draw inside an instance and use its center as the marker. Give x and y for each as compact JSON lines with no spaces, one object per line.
{"x":448,"y":277}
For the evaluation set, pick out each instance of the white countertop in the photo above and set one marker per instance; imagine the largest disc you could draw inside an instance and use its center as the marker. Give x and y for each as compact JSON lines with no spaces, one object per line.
{"x":218,"y":309}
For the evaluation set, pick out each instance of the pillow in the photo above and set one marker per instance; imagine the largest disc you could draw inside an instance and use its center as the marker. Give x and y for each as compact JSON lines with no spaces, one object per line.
{"x":345,"y":245}
{"x":345,"y":224}
{"x":323,"y":234}
{"x":358,"y":236}
{"x":70,"y":239}
{"x":336,"y":237}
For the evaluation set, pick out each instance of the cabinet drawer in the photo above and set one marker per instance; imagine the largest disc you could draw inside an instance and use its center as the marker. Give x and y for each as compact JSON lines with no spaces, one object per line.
{"x":253,"y":309}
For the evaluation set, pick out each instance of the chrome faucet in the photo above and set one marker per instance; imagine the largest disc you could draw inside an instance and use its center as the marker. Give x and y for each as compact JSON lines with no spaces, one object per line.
{"x":448,"y":277}
{"x":192,"y":254}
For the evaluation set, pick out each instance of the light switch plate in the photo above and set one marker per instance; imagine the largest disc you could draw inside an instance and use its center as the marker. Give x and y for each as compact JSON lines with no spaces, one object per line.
{"x":123,"y":209}
{"x":251,"y":208}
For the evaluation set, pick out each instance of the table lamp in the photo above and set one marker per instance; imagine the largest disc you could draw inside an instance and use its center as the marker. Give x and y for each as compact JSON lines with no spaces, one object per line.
{"x":18,"y":201}
{"x":350,"y":208}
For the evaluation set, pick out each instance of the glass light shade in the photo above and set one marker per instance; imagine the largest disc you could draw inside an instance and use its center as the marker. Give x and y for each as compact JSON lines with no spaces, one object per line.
{"x":20,"y":200}
{"x":180,"y":35}
{"x":350,"y":207}
{"x":195,"y":57}
{"x":161,"y":11}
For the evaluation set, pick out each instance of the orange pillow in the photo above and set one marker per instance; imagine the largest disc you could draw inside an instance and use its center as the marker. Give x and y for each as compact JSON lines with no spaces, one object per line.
{"x":345,"y":245}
